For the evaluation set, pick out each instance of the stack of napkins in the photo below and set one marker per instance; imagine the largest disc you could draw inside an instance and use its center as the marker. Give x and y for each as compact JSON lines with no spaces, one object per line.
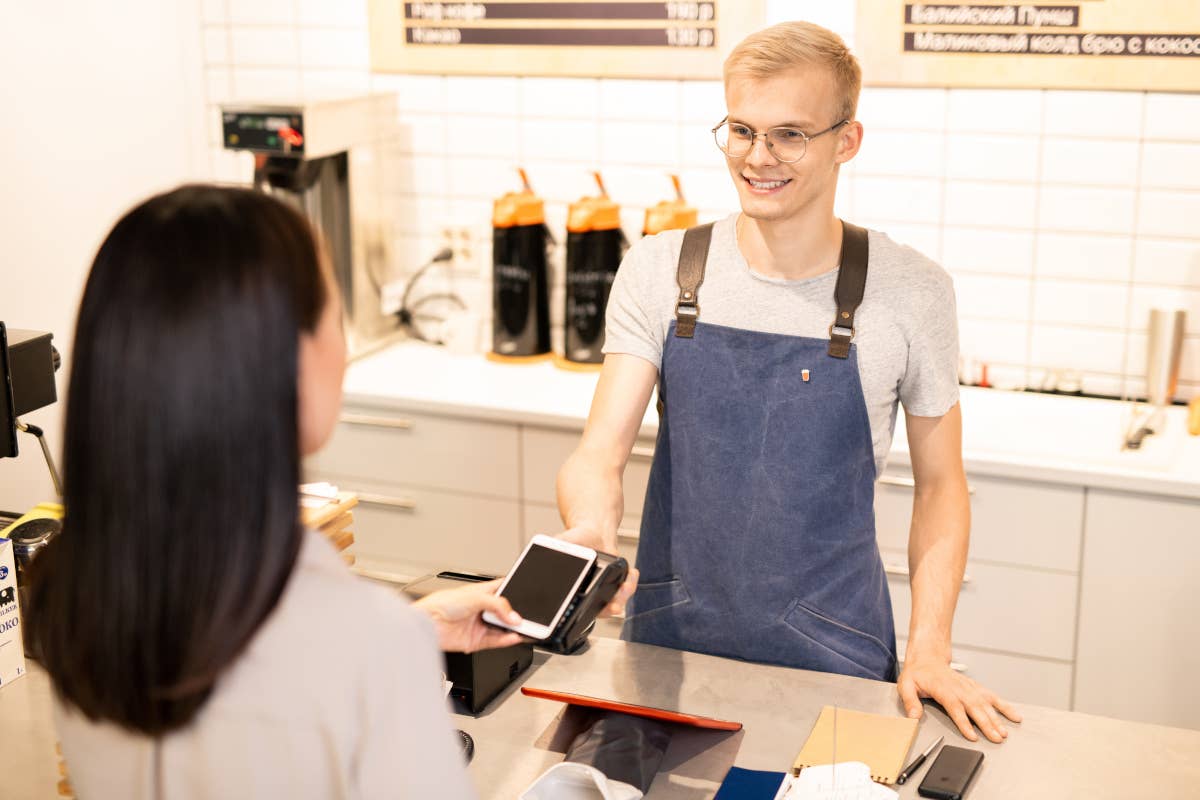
{"x":849,"y":780}
{"x":327,"y":510}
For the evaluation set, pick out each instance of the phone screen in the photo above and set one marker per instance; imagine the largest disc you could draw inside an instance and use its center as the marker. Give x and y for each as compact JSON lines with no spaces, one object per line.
{"x":541,"y":582}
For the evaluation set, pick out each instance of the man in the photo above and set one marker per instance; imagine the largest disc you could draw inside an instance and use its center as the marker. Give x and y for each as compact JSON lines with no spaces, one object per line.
{"x":779,"y":403}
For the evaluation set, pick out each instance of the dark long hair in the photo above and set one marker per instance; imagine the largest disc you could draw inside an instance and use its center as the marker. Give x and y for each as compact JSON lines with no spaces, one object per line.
{"x":181,"y":454}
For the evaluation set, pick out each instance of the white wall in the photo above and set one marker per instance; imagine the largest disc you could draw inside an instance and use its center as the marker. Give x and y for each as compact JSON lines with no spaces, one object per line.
{"x":98,"y":111}
{"x":1062,"y":215}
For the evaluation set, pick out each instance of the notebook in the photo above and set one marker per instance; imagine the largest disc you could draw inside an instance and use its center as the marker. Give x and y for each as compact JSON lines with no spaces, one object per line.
{"x":881,"y":742}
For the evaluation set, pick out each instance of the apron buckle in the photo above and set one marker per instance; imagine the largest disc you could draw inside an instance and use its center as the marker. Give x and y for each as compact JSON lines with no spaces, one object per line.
{"x":839,"y":340}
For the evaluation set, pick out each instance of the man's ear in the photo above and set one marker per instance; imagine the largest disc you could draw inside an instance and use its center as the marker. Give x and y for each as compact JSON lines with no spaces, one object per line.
{"x":850,"y":138}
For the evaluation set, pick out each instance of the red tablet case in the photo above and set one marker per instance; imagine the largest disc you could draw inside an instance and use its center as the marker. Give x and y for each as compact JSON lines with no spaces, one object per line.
{"x":629,"y":708}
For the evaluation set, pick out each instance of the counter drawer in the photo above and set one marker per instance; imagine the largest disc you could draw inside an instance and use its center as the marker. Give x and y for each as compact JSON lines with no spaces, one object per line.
{"x":415,"y":531}
{"x":545,"y":450}
{"x":1014,"y":522}
{"x":1017,"y":679}
{"x":405,"y":449}
{"x":540,"y":518}
{"x":1020,"y":611}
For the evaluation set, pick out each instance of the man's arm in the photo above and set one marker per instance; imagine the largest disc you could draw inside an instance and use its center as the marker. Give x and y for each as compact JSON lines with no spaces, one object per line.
{"x":937,"y":556}
{"x":590,"y":497}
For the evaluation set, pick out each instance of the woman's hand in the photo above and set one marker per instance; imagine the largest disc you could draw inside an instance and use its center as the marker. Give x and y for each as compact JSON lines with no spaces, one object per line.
{"x":456,"y":616}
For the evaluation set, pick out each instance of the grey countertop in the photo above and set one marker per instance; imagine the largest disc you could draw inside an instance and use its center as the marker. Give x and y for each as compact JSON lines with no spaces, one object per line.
{"x":1052,"y":754}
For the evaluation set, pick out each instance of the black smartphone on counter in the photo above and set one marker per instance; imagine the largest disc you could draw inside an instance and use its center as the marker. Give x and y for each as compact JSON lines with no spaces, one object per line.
{"x":950,"y":773}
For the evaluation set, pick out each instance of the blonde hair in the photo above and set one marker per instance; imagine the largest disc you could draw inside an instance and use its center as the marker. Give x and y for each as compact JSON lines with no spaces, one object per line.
{"x":799,"y":44}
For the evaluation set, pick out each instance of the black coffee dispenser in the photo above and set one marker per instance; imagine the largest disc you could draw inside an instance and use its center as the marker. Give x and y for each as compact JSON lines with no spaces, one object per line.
{"x":520,"y":291}
{"x":595,"y":245}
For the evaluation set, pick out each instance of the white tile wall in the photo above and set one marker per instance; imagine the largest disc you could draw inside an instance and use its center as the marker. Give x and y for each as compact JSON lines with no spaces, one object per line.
{"x":991,"y":204}
{"x":1077,"y":208}
{"x":1084,"y":256}
{"x":1062,"y":215}
{"x":264,"y":47}
{"x":1005,"y":252}
{"x":988,"y":157}
{"x":1101,"y":115}
{"x":1090,"y":162}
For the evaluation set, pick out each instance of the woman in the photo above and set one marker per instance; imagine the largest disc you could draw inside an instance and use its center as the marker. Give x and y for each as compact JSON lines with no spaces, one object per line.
{"x":201,"y":643}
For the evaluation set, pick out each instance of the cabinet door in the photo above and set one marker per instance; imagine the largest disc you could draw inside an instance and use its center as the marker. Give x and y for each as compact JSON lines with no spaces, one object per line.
{"x":1139,"y":623}
{"x":1022,"y":523}
{"x":423,"y":450}
{"x":543,"y":452}
{"x":407,"y":532}
{"x":1010,"y":609}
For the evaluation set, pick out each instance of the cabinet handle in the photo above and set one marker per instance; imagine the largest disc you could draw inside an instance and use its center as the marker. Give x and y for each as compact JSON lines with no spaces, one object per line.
{"x":628,"y":535}
{"x":909,"y":483}
{"x":403,"y":503}
{"x":375,"y":421}
{"x":896,"y":569}
{"x":642,"y":452}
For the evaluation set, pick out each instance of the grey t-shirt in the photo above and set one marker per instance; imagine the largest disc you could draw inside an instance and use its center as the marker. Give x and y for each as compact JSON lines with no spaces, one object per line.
{"x":906,"y":329}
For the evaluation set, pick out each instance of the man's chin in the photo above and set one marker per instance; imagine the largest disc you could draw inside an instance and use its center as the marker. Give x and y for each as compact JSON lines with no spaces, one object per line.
{"x":763,"y":212}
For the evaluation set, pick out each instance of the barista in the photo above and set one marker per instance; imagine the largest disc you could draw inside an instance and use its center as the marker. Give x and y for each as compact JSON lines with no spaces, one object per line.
{"x":758,"y":532}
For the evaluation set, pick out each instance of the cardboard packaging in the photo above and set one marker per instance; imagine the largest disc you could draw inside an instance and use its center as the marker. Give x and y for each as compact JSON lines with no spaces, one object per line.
{"x":12,"y":648}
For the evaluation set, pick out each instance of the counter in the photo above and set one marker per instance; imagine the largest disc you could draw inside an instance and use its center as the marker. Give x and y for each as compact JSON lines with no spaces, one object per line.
{"x":1052,"y":754}
{"x":1005,"y":434}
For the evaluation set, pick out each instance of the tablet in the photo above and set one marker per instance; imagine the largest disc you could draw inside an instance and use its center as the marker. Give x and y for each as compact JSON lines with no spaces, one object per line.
{"x":694,"y":720}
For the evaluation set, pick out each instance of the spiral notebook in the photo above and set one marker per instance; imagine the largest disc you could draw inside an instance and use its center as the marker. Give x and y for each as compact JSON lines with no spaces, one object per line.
{"x":881,"y":742}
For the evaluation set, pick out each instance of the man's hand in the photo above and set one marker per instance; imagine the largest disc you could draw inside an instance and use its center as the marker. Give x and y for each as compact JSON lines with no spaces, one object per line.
{"x":590,"y":538}
{"x":456,"y":614}
{"x":964,"y":699}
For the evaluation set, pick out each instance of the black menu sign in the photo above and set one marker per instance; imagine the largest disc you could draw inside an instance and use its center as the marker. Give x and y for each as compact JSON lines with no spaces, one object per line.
{"x":618,"y":38}
{"x":1088,"y":44}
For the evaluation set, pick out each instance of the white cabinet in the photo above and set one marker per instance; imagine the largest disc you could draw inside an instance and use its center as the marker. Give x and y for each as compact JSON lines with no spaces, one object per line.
{"x":445,"y":492}
{"x":543,"y":452}
{"x":1014,"y":627}
{"x":451,"y":453}
{"x":434,"y":492}
{"x":1139,"y":622}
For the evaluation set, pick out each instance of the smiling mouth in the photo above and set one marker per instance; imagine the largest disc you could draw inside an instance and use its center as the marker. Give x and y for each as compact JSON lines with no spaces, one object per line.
{"x":766,"y":186}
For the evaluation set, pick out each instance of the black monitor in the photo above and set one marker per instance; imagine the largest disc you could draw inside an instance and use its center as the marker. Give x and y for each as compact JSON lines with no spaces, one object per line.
{"x":8,"y":413}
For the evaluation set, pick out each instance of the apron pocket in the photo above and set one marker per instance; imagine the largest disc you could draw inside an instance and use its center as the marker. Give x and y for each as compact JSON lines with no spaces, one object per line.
{"x":654,"y":596}
{"x":860,"y":653}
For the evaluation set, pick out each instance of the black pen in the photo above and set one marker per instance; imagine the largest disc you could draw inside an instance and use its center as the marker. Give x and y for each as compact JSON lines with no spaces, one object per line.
{"x":903,"y":776}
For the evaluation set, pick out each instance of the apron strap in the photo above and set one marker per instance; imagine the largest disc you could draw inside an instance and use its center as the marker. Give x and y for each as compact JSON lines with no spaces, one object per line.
{"x":690,"y":274}
{"x":852,"y":280}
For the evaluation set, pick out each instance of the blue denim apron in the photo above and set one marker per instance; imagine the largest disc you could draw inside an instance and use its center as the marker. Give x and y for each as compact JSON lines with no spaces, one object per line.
{"x":758,"y":531}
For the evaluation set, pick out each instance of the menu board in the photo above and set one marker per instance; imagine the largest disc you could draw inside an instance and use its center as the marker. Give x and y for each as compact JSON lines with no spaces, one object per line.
{"x":619,"y":38}
{"x":1089,"y":44}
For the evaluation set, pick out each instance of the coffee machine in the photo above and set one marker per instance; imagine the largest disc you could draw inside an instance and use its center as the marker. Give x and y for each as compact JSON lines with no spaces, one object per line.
{"x":324,"y":157}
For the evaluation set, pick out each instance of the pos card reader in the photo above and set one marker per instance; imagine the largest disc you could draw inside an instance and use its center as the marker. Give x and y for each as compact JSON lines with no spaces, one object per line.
{"x":478,"y":678}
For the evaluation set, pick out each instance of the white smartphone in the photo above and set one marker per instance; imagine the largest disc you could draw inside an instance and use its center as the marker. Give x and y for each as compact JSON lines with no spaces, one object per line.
{"x":542,"y":583}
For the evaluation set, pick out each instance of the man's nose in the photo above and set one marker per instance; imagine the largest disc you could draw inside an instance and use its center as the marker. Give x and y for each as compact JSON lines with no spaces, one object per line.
{"x":760,"y":154}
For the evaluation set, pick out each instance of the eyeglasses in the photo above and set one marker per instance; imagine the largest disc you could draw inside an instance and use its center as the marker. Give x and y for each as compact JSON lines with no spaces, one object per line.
{"x":788,"y":145}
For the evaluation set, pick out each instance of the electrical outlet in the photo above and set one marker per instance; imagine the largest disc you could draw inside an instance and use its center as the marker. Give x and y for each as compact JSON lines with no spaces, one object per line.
{"x":462,"y":245}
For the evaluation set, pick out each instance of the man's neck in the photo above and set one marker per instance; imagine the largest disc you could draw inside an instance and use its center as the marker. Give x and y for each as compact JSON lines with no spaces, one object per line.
{"x":793,"y":249}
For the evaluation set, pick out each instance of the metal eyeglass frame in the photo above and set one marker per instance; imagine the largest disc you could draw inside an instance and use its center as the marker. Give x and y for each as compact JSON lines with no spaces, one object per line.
{"x":766,"y":137}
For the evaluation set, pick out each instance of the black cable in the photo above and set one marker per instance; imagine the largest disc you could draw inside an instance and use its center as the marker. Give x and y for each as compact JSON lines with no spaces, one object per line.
{"x":408,"y":316}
